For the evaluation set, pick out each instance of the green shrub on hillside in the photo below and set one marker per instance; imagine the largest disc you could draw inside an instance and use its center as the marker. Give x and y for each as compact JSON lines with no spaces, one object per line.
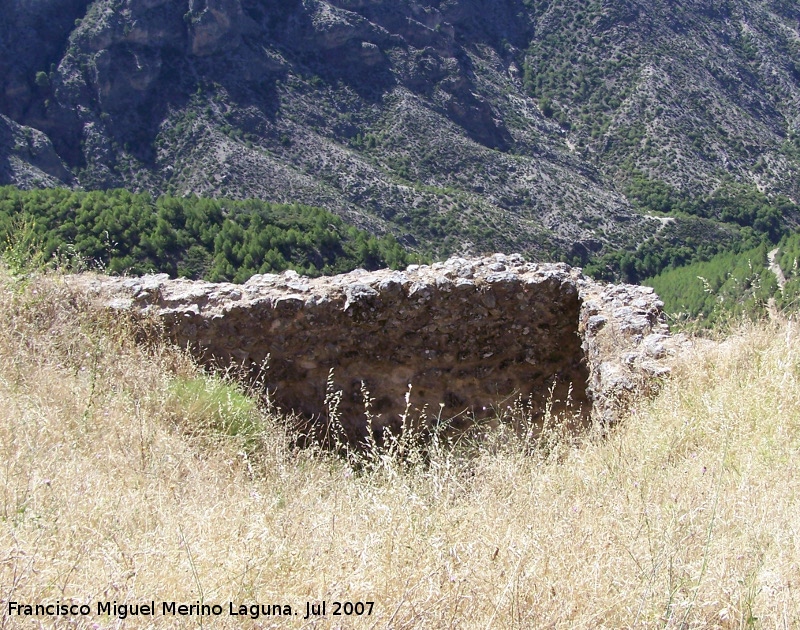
{"x":732,"y":203}
{"x":789,"y":261}
{"x":682,"y":242}
{"x":729,"y":284}
{"x":217,"y":239}
{"x":734,"y":218}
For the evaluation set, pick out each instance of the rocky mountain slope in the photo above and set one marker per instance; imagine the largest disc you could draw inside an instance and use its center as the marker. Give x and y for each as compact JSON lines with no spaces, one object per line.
{"x":686,"y":92}
{"x":458,"y":125}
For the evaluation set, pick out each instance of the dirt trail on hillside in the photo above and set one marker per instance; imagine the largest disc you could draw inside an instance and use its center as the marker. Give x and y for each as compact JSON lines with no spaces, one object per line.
{"x":775,"y":268}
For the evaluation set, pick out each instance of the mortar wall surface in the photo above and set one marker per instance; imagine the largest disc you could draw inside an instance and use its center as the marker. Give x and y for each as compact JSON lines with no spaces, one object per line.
{"x":454,"y":342}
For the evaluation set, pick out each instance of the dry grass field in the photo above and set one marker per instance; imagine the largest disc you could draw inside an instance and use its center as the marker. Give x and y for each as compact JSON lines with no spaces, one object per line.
{"x":128,"y":475}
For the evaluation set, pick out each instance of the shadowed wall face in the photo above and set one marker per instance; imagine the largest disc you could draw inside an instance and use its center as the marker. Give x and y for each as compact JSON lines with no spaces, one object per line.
{"x":464,"y":348}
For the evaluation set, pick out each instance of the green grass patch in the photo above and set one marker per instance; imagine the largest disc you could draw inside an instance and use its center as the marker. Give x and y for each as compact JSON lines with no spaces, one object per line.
{"x":210,"y":405}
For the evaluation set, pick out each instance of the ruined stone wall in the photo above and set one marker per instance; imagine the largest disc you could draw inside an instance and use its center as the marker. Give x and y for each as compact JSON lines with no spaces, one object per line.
{"x":468,"y":336}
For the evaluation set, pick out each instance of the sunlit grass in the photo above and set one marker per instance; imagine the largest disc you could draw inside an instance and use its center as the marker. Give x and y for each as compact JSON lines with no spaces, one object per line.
{"x":127,"y":473}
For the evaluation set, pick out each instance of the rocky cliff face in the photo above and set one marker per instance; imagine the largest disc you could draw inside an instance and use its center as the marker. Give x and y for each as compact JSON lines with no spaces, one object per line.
{"x":28,"y":158}
{"x":467,"y":338}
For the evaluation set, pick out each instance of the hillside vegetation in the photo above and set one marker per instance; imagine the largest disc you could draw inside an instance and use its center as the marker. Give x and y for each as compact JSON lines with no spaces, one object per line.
{"x":192,"y":237}
{"x":729,"y":285}
{"x":130,"y":474}
{"x":732,"y":284}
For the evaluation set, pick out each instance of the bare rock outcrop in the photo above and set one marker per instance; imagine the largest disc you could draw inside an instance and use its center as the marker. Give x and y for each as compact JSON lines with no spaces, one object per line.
{"x":215,"y":25}
{"x":469,"y":336}
{"x":27,"y":158}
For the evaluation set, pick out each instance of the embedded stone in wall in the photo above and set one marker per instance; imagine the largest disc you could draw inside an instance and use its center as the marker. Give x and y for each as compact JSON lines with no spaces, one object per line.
{"x":467,"y":336}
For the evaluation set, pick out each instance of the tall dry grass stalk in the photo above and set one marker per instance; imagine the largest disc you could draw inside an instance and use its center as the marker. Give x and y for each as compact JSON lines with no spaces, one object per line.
{"x":116,"y":485}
